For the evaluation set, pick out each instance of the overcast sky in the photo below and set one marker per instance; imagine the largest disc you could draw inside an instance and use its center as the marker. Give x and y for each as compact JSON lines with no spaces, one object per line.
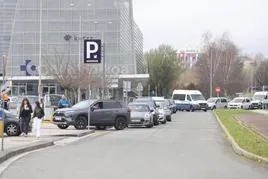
{"x":181,"y":23}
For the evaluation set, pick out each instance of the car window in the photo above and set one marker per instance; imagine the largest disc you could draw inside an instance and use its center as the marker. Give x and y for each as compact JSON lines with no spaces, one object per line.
{"x":247,"y":100}
{"x":189,"y":98}
{"x":111,"y":105}
{"x":180,"y":97}
{"x":98,"y":105}
{"x":223,"y":100}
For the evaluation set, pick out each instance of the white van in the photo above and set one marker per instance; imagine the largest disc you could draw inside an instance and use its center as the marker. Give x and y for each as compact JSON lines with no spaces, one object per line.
{"x":189,"y":100}
{"x":258,"y":99}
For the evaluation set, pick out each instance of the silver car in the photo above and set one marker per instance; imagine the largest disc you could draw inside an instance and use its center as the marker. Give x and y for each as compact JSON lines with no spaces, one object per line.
{"x":141,"y":115}
{"x":164,"y":112}
{"x":217,"y":102}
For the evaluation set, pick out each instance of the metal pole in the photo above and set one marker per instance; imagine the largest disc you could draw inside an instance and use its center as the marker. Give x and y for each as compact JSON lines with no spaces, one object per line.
{"x":79,"y":53}
{"x":211,"y":66}
{"x":89,"y":109}
{"x":40,"y":53}
{"x":104,"y":70}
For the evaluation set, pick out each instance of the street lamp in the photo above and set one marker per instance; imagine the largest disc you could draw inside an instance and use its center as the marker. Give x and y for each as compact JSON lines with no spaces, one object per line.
{"x":40,"y":51}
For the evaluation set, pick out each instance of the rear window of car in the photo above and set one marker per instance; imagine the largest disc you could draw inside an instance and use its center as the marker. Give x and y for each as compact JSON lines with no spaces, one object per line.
{"x":180,"y":97}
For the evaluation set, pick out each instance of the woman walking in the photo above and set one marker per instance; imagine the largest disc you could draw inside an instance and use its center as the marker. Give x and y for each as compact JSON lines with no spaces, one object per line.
{"x":25,"y":116}
{"x":37,"y":118}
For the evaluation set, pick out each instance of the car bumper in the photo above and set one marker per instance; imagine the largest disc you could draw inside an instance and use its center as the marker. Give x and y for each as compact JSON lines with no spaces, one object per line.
{"x":234,"y":107}
{"x":61,"y":120}
{"x":139,"y":122}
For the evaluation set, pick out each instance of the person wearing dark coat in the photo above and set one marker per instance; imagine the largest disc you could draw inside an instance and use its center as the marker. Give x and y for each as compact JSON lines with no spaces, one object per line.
{"x":25,"y":115}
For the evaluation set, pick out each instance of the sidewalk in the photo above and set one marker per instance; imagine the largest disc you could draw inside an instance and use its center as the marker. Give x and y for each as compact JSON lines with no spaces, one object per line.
{"x":258,"y":122}
{"x":49,"y":134}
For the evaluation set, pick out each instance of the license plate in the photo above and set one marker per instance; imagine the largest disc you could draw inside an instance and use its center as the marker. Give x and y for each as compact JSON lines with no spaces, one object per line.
{"x":57,"y":118}
{"x":135,"y":120}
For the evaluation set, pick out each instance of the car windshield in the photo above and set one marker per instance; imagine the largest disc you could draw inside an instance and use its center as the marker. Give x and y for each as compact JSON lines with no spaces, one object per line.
{"x":212,"y":100}
{"x":258,"y":97}
{"x":139,"y":108}
{"x":237,"y":100}
{"x":197,"y":97}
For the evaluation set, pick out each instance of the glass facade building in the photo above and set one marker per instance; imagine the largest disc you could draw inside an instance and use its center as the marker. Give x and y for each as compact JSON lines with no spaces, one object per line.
{"x":109,"y":20}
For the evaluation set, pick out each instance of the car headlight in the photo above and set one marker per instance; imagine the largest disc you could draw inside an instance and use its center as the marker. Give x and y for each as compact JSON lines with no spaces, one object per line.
{"x":146,"y":116}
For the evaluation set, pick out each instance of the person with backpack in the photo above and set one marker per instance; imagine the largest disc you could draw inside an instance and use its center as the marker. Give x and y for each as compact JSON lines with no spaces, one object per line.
{"x":25,"y":116}
{"x":37,"y":118}
{"x":64,"y":102}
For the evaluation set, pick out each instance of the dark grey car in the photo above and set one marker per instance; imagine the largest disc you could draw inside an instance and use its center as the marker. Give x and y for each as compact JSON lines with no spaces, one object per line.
{"x":104,"y":113}
{"x":11,"y":124}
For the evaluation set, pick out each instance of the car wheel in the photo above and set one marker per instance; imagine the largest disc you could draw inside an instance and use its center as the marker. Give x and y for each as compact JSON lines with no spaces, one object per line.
{"x":100,"y":127}
{"x":12,"y":129}
{"x":214,"y":108}
{"x":169,"y":118}
{"x":164,"y":122}
{"x":81,"y":123}
{"x":156,"y":122}
{"x":191,"y":109}
{"x":120,"y":123}
{"x":63,"y":126}
{"x":225,"y":107}
{"x":150,"y":125}
{"x":242,"y":107}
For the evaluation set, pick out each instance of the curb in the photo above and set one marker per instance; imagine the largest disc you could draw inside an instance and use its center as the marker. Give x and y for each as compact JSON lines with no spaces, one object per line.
{"x":237,"y":149}
{"x":6,"y":155}
{"x":82,"y":134}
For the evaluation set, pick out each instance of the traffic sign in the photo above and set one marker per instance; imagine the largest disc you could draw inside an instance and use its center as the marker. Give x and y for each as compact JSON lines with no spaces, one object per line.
{"x":218,"y":89}
{"x":139,"y":87}
{"x":92,"y":51}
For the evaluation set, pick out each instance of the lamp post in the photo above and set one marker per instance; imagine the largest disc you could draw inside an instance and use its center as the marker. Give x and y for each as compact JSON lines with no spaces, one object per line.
{"x":211,"y":73}
{"x":40,"y":52}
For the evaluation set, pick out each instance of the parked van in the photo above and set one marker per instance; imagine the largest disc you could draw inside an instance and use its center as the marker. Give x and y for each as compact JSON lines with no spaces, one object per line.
{"x":258,"y":99}
{"x":189,"y":100}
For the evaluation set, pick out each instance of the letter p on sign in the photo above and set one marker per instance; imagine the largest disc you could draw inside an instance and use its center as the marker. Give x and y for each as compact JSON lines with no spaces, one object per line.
{"x":92,"y":51}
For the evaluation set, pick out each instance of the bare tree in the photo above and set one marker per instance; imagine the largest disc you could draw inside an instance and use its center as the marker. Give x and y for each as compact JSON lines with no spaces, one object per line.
{"x":261,"y":75}
{"x":68,"y":74}
{"x":222,"y":55}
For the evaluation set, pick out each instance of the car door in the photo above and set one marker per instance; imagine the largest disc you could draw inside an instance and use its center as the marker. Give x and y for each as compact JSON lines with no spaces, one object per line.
{"x":96,"y":116}
{"x":110,"y":111}
{"x":247,"y":103}
{"x":223,"y":103}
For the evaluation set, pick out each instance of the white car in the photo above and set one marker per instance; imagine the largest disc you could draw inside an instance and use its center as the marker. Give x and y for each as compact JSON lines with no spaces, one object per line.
{"x":258,"y":100}
{"x":217,"y":102}
{"x":240,"y":103}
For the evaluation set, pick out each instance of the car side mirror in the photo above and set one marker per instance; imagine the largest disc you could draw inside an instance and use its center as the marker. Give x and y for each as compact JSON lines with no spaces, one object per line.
{"x":151,"y":110}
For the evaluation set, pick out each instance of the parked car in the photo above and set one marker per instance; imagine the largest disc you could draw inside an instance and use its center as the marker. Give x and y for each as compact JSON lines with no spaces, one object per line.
{"x":240,"y":103}
{"x":152,"y":104}
{"x":11,"y":124}
{"x":171,"y":105}
{"x":217,"y":102}
{"x":141,"y":115}
{"x":103,"y":113}
{"x":258,"y":100}
{"x":164,"y":113}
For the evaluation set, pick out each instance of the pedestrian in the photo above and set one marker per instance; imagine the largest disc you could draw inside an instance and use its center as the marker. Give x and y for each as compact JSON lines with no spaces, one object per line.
{"x":265,"y":101}
{"x":37,"y":118}
{"x":64,"y":102}
{"x":5,"y":101}
{"x":25,"y":116}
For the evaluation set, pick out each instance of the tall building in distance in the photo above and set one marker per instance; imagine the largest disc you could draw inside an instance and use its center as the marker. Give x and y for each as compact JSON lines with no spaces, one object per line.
{"x":109,"y":20}
{"x":188,"y":58}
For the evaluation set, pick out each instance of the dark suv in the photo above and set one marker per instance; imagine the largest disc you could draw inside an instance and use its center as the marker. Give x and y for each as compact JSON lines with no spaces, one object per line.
{"x":104,"y":113}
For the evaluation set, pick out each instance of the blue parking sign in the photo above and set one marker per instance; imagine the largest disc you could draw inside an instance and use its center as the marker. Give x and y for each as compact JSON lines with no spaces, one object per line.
{"x":1,"y":115}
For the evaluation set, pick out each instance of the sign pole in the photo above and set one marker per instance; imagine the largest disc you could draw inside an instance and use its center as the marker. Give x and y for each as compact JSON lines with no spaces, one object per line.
{"x":89,"y":109}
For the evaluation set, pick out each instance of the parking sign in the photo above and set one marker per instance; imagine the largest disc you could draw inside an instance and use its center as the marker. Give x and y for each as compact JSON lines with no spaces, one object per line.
{"x":92,"y":51}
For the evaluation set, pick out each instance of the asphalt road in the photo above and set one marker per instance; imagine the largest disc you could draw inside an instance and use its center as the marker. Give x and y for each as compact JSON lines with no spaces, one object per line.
{"x":190,"y":147}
